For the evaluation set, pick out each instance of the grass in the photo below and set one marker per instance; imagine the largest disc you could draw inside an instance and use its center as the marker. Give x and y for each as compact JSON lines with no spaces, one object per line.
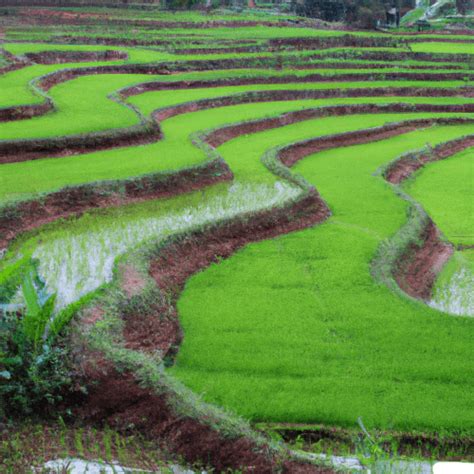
{"x":18,"y":180}
{"x":294,"y":329}
{"x":268,"y":334}
{"x":446,"y":190}
{"x":451,"y":48}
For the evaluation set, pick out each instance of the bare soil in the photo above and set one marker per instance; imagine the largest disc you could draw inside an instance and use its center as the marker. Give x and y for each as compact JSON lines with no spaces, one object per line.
{"x":61,"y":57}
{"x":417,"y":270}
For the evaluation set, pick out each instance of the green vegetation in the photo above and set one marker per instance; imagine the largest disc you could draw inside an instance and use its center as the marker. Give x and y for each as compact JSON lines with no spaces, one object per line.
{"x":308,"y":327}
{"x":24,"y":446}
{"x":22,"y":179}
{"x":33,"y":373}
{"x":446,"y":190}
{"x":302,"y":351}
{"x":450,"y":48}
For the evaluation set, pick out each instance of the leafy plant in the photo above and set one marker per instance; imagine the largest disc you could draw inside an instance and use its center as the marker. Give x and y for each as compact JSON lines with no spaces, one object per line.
{"x":39,"y":307}
{"x":33,"y":368}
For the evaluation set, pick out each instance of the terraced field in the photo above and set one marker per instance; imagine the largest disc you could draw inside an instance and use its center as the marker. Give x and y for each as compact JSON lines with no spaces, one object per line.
{"x":277,"y":218}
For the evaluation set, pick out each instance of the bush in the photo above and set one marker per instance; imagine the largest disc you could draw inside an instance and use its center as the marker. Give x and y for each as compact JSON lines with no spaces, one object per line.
{"x":33,"y":371}
{"x":30,"y":379}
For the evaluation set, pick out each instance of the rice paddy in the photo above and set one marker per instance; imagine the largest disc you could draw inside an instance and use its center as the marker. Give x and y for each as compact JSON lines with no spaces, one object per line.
{"x":357,"y":312}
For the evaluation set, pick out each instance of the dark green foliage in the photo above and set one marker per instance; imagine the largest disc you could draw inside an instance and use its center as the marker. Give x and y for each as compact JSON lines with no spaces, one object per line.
{"x":463,"y":6}
{"x":360,"y":13}
{"x":30,"y":378}
{"x":33,"y":371}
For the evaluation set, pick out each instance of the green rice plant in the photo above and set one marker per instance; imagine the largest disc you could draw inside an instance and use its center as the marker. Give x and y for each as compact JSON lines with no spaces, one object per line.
{"x":292,"y":329}
{"x":445,"y":189}
{"x":270,"y":321}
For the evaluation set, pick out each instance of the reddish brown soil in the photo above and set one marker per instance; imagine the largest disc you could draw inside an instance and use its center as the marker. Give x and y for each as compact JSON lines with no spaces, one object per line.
{"x":283,"y":95}
{"x":334,"y":42}
{"x":22,"y":112}
{"x":28,"y":111}
{"x":61,"y":57}
{"x":299,"y":44}
{"x":407,"y":165}
{"x":348,"y":65}
{"x":296,"y":151}
{"x":310,"y":78}
{"x":417,"y":270}
{"x":447,"y":447}
{"x":132,"y":282}
{"x":116,"y":399}
{"x":69,"y":202}
{"x":60,"y":14}
{"x":293,"y":153}
{"x":15,"y":151}
{"x":158,"y":330}
{"x":15,"y":63}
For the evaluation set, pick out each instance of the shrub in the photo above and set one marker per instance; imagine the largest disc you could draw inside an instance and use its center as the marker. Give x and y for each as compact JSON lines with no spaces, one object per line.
{"x":33,"y":368}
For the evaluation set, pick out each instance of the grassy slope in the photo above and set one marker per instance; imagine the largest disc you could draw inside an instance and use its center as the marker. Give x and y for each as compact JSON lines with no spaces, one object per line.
{"x":296,"y":329}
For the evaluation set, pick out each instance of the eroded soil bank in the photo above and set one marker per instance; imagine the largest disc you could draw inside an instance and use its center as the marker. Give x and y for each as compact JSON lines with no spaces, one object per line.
{"x":417,"y":270}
